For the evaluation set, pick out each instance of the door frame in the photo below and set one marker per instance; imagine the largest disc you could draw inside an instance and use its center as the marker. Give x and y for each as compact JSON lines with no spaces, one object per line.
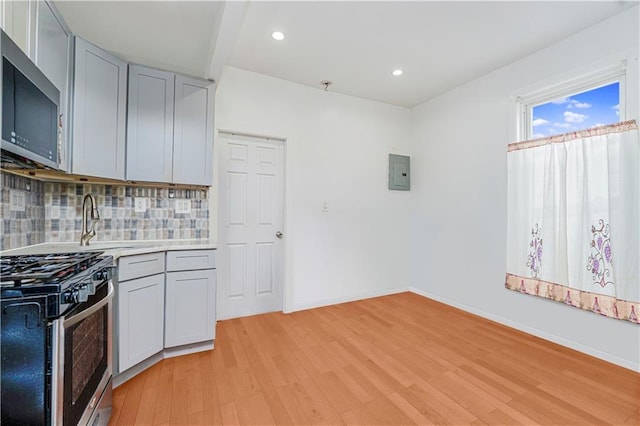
{"x":221,"y":143}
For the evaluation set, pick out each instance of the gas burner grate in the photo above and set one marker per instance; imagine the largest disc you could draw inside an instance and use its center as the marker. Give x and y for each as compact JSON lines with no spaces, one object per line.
{"x":18,"y":270}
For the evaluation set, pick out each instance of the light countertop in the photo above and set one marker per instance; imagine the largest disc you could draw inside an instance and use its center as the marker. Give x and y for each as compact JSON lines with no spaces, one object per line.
{"x":115,"y":248}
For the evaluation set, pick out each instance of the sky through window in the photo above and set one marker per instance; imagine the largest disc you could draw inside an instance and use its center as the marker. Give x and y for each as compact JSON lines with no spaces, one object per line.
{"x":593,"y":108}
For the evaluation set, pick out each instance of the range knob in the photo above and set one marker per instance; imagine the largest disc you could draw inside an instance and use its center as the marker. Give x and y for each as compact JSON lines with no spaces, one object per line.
{"x":70,"y":297}
{"x":91,"y":287}
{"x":104,"y":274}
{"x":83,"y":294}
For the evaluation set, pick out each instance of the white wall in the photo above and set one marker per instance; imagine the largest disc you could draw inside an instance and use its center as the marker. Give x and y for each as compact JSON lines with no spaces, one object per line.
{"x":458,"y":238}
{"x":337,"y":151}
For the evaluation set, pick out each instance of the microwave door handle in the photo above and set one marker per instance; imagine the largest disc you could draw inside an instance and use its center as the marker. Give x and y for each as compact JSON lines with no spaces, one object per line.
{"x":89,"y":311}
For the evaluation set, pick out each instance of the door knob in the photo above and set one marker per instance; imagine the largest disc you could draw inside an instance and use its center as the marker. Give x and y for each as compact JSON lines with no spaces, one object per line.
{"x":279,"y":234}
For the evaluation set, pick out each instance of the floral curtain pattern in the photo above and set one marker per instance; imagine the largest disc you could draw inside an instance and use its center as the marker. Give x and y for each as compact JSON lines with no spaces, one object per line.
{"x":573,"y":219}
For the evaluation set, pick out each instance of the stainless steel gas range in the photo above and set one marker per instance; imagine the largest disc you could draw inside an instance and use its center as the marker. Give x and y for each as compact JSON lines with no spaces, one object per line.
{"x":56,"y":322}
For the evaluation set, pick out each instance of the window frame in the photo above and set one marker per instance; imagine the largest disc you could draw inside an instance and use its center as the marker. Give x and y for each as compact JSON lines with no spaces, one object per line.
{"x":623,"y":70}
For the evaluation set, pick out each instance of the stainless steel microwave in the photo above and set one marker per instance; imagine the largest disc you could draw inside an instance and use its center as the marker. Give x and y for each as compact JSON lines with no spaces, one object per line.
{"x":30,"y":105}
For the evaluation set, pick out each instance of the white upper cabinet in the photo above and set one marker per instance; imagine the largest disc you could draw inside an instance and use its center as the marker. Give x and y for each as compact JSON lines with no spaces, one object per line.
{"x":169,"y":128}
{"x":100,"y":89}
{"x":158,"y":129}
{"x":17,"y":21}
{"x":193,"y":132}
{"x":52,"y":54}
{"x":150,"y":124}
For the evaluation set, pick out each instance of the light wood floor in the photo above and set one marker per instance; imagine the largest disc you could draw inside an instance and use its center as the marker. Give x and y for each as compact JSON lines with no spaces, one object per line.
{"x":399,"y":359}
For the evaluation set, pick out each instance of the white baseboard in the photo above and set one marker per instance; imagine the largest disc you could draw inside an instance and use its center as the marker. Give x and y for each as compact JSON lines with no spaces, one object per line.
{"x":631,"y":365}
{"x":345,"y":299}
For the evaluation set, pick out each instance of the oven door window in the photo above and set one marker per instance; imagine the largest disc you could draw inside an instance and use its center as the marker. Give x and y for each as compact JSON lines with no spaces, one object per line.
{"x":85,"y":358}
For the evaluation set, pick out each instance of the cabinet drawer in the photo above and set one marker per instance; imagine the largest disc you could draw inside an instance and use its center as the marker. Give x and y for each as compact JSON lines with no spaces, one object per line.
{"x":130,"y":267}
{"x":189,"y":260}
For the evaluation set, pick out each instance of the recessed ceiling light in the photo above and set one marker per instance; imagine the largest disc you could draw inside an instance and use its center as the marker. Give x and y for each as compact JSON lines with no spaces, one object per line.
{"x":397,"y":72}
{"x":277,"y":35}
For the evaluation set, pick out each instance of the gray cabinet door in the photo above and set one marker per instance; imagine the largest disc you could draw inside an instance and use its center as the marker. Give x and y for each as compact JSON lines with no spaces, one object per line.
{"x":150,"y":125}
{"x":53,"y":57}
{"x":190,"y":307}
{"x":193,"y":132}
{"x":140,"y":320}
{"x":17,"y":21}
{"x":99,"y":112}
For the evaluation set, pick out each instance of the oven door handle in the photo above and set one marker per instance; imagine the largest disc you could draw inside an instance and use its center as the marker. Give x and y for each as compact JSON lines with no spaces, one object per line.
{"x":91,"y":310}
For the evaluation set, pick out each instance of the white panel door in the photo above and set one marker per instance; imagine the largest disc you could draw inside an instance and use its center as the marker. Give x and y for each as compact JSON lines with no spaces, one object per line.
{"x":251,"y":206}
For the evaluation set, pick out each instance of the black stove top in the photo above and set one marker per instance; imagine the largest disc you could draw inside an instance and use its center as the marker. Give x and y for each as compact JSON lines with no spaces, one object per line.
{"x":42,"y":269}
{"x":48,"y":274}
{"x":55,"y":282}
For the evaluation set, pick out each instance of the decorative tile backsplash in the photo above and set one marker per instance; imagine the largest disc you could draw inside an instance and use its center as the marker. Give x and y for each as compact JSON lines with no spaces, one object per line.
{"x":25,"y":226}
{"x":54,"y":212}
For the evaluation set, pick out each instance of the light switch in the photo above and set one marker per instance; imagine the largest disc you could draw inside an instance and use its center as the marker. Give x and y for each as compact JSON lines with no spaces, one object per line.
{"x":183,"y":206}
{"x":325,"y":206}
{"x":140,"y":204}
{"x":17,"y":200}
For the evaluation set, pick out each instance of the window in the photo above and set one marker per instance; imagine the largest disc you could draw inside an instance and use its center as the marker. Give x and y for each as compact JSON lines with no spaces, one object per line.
{"x":592,"y":108}
{"x":603,"y":94}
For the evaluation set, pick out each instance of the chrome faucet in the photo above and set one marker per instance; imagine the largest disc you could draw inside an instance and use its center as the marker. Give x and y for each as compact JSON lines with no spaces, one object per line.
{"x":89,"y":212}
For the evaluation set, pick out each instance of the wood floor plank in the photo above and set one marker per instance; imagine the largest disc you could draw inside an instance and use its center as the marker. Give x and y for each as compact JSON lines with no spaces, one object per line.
{"x":119,"y":397}
{"x":335,"y":391}
{"x":222,"y":382}
{"x":634,"y":419}
{"x":409,"y":410}
{"x":360,"y":415}
{"x":179,"y":401}
{"x":147,"y":403}
{"x":254,"y":410}
{"x":131,"y":404}
{"x":419,"y":401}
{"x":387,"y":412}
{"x":400,"y":359}
{"x":449,"y":408}
{"x":195,"y":418}
{"x":265,"y":381}
{"x":298,"y":404}
{"x":230,"y":414}
{"x":354,"y":386}
{"x":211,"y":411}
{"x":162,"y":408}
{"x":498,"y":417}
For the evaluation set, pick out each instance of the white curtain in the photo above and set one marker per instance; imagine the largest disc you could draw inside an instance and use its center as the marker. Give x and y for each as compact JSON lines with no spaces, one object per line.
{"x":573,"y":232}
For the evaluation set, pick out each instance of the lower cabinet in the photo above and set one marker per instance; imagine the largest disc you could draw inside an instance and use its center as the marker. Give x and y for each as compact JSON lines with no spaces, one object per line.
{"x":164,"y":300}
{"x":140,"y":319}
{"x":190,"y":307}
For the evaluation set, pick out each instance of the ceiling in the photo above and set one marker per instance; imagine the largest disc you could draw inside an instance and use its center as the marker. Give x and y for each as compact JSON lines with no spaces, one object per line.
{"x":356,"y":45}
{"x":173,"y":35}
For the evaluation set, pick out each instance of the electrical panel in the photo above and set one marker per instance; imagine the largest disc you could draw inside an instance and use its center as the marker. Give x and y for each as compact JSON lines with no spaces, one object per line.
{"x":399,"y":172}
